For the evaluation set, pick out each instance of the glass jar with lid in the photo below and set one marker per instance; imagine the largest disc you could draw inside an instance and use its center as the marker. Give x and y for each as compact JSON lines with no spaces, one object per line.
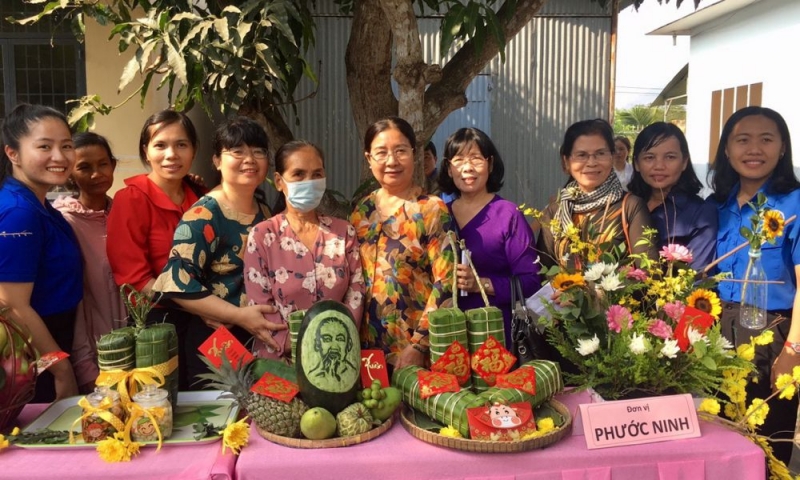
{"x":155,"y":402}
{"x":95,"y":428}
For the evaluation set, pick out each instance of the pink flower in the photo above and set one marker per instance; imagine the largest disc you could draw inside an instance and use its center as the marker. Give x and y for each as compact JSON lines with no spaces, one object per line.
{"x":676,"y":253}
{"x":617,"y":315}
{"x":674,"y":310}
{"x":660,"y":329}
{"x":636,"y":274}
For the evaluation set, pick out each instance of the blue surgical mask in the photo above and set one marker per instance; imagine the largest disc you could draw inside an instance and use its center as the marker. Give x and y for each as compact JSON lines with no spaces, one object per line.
{"x":305,"y":195}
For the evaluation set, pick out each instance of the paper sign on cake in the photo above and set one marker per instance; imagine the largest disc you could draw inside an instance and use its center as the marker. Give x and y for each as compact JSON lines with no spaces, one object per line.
{"x":646,"y":420}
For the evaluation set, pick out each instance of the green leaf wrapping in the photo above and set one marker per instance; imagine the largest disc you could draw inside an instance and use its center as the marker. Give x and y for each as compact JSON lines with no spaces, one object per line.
{"x":155,"y":345}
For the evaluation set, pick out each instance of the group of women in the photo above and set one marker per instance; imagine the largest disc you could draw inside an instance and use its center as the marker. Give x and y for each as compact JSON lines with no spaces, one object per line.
{"x":221,"y":257}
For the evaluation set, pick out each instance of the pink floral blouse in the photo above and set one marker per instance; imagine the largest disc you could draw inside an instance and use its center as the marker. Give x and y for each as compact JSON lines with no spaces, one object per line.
{"x":280,"y":270}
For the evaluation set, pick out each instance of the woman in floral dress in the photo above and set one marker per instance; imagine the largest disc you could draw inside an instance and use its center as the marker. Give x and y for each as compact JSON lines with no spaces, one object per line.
{"x":203,"y":275}
{"x":299,"y":257}
{"x":407,"y":261}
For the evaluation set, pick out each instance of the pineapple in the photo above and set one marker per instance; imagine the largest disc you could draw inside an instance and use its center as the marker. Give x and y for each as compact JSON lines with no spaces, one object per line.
{"x":270,"y":415}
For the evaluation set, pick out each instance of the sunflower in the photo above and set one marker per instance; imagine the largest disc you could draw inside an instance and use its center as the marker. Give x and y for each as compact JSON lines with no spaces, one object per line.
{"x":773,"y":224}
{"x":563,"y":281}
{"x":705,"y":300}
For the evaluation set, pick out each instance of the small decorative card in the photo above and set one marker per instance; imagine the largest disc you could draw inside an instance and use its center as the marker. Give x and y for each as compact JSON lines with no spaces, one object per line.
{"x":501,"y":423}
{"x":695,"y":318}
{"x":455,"y":361}
{"x":434,"y":383}
{"x":523,"y":378}
{"x":275,"y":387}
{"x":222,"y":340}
{"x":492,"y":359}
{"x":373,"y":366}
{"x":48,"y":360}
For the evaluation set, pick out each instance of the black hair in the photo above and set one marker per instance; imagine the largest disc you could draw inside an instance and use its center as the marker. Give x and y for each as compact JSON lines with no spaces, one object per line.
{"x":598,"y":126}
{"x":239,"y":131}
{"x":286,"y":150}
{"x":650,"y":137}
{"x":91,"y":139}
{"x":389,"y":123}
{"x":723,"y":178}
{"x":460,"y":141}
{"x":430,"y":147}
{"x":625,"y":141}
{"x":16,"y":125}
{"x":164,"y":118}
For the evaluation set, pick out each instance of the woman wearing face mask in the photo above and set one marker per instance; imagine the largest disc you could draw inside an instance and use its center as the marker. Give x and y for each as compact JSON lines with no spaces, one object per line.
{"x":299,"y":257}
{"x":204,"y":274}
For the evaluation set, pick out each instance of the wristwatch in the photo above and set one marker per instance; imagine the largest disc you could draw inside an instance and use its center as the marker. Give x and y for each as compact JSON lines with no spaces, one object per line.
{"x":794,"y":347}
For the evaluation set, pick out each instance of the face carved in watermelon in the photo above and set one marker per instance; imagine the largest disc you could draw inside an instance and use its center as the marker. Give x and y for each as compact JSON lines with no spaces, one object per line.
{"x":328,"y":357}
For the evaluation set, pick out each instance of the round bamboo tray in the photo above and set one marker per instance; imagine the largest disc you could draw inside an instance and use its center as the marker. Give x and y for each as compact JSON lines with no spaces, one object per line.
{"x":334,"y":442}
{"x":487,"y":446}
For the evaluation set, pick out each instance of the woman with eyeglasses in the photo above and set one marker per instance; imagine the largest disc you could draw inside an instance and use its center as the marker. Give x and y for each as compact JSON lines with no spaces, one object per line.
{"x":406,"y":259}
{"x":204,"y":274}
{"x":493,"y":229}
{"x":299,"y":257}
{"x":665,"y":178}
{"x":592,"y":200}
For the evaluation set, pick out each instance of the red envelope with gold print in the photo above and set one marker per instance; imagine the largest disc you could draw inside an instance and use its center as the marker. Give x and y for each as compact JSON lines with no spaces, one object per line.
{"x":455,"y":361}
{"x":222,"y":342}
{"x":275,"y":387}
{"x":492,"y":359}
{"x":523,"y":378}
{"x":434,"y":383}
{"x":695,"y":318}
{"x":501,"y":423}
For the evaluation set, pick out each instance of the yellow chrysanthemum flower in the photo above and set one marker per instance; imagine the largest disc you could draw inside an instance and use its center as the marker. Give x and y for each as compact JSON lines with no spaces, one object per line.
{"x":746,"y":351}
{"x":545,"y":425}
{"x":235,"y":436}
{"x":563,"y":281}
{"x":764,"y":338}
{"x":113,"y":449}
{"x":450,"y":431}
{"x":3,"y":442}
{"x":773,"y":224}
{"x":785,"y":384}
{"x":710,"y":406}
{"x":705,"y":300}
{"x":731,"y":411}
{"x":796,"y":374}
{"x":757,"y":412}
{"x":15,"y":432}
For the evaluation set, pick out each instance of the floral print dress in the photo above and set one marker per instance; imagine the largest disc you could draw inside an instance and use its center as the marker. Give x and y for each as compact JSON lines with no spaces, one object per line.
{"x":408,"y":269}
{"x":280,"y":270}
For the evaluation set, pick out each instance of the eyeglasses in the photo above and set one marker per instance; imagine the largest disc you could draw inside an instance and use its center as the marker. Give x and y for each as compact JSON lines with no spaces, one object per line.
{"x":382,"y":156}
{"x":474,"y":160}
{"x":583,"y":157}
{"x":240,"y":153}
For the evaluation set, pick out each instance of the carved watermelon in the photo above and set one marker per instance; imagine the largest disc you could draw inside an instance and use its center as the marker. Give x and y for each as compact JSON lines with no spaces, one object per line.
{"x":328,"y":357}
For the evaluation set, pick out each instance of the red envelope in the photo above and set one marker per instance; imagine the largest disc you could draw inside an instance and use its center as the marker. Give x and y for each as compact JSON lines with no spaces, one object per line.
{"x":523,"y":378}
{"x":492,"y":359}
{"x":373,"y":366}
{"x":223,"y":341}
{"x":501,"y":423}
{"x":275,"y":387}
{"x":698,"y":319}
{"x":434,"y":383}
{"x":48,"y":360}
{"x":455,"y":361}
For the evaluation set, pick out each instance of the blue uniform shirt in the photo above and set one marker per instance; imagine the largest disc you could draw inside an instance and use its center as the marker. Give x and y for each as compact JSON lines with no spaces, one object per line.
{"x":689,"y":221}
{"x":37,"y":245}
{"x":778,"y":260}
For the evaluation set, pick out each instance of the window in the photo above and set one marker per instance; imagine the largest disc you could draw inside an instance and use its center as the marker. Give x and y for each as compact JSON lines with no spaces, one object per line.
{"x":723,"y":104}
{"x":41,"y":63}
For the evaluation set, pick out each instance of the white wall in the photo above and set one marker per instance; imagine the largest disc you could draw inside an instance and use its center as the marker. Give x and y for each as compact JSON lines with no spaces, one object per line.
{"x":759,"y":43}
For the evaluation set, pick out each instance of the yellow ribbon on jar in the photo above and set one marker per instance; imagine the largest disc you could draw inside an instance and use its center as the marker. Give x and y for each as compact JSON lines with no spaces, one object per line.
{"x":127,"y":382}
{"x":152,"y":413}
{"x":102,"y":411}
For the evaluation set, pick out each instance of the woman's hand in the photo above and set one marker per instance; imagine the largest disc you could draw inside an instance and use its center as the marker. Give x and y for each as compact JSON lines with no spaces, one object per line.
{"x":251,"y":318}
{"x":410,"y":356}
{"x":65,"y":383}
{"x":785,"y":363}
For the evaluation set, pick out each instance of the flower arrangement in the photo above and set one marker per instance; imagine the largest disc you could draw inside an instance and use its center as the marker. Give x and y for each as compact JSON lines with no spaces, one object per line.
{"x":633,"y":326}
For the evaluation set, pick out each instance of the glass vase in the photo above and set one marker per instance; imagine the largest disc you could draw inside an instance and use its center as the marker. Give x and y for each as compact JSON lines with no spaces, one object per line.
{"x":753,"y":312}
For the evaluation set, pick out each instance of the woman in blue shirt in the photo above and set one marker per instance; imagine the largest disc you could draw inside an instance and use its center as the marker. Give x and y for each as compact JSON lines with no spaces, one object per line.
{"x":665,"y":178}
{"x":41,"y":279}
{"x":755,"y":156}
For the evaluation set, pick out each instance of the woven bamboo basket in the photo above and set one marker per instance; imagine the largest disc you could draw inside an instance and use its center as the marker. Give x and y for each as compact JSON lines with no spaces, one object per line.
{"x":486,"y":446}
{"x":335,"y":442}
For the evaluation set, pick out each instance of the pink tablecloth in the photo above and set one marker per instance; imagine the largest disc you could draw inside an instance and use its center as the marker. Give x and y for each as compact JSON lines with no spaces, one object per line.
{"x":191,"y":462}
{"x":717,"y":454}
